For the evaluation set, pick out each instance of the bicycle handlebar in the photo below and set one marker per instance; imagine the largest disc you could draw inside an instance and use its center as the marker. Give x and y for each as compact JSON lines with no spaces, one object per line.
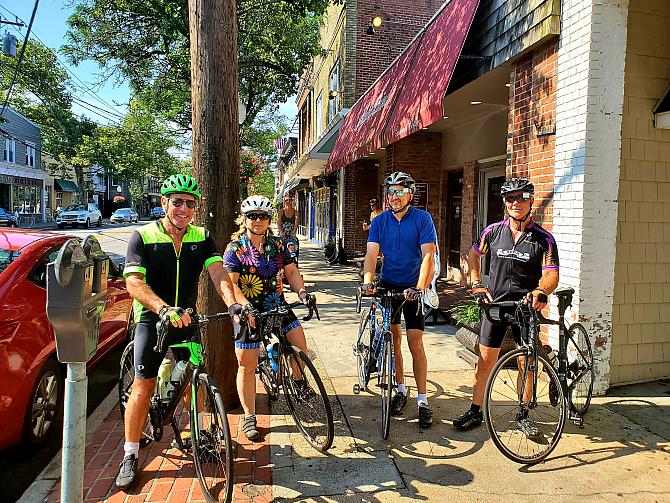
{"x":196,"y":321}
{"x":283,"y":310}
{"x":380,"y":293}
{"x":487,"y":306}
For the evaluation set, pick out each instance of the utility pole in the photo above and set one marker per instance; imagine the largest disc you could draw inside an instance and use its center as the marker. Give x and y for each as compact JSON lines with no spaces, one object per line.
{"x":213,"y":39}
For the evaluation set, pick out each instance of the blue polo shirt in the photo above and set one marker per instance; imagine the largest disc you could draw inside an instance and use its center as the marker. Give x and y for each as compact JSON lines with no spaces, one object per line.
{"x":400,"y":242}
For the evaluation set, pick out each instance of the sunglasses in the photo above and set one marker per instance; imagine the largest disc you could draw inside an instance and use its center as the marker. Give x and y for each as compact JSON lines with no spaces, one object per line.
{"x":398,"y":192}
{"x":519,"y":198}
{"x":178,"y":201}
{"x":257,"y":216}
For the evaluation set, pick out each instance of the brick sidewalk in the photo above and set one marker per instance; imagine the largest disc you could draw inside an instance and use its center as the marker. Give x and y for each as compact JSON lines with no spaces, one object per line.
{"x":166,"y":473}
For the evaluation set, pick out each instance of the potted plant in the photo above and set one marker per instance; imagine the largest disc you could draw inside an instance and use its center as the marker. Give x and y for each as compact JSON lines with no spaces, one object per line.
{"x":468,"y":316}
{"x":329,"y":249}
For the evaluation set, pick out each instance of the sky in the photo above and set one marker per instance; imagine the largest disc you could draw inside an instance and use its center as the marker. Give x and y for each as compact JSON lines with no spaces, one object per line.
{"x":50,"y":27}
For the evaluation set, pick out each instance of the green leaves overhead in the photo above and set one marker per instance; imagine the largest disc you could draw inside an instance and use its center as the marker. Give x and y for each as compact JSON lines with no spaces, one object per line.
{"x":147,"y":42}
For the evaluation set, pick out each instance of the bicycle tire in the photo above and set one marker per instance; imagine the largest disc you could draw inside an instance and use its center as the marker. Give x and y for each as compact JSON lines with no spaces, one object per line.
{"x":580,"y":387}
{"x":269,"y":379}
{"x":304,"y":402}
{"x":501,"y":409}
{"x":124,"y":388}
{"x":212,"y":447}
{"x":386,"y":384}
{"x":362,"y":350}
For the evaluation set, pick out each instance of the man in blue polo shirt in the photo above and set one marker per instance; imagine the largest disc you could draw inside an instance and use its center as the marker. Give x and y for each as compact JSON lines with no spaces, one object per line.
{"x":406,"y":237}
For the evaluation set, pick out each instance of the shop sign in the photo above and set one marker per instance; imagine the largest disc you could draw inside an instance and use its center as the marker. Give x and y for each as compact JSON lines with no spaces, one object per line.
{"x":20,"y":181}
{"x":420,"y":199}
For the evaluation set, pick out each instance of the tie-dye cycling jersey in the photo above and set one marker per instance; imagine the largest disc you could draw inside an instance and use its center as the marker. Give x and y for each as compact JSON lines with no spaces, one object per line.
{"x":260,"y":273}
{"x":516,"y":269}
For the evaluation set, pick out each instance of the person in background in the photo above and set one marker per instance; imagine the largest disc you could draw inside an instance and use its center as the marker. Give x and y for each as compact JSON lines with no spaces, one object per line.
{"x":288,"y":219}
{"x":375,"y":211}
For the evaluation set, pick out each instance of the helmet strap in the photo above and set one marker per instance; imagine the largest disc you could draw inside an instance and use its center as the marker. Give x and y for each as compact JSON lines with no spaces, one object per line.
{"x":520,"y":221}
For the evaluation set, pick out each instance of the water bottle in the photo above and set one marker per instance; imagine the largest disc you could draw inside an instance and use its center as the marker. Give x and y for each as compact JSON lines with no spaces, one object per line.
{"x":176,"y":378}
{"x":164,"y":373}
{"x":272,"y":350}
{"x":551,"y":355}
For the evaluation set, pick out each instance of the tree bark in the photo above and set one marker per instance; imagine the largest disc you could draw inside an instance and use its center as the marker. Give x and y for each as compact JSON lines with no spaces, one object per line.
{"x":213,"y":39}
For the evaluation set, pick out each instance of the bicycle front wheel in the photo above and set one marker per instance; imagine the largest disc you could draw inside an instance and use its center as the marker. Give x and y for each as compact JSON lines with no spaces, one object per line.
{"x":212,"y":448}
{"x":523,"y":431}
{"x":307,"y":398}
{"x":125,"y":387}
{"x":362,"y":350}
{"x":580,"y":369}
{"x":386,"y":383}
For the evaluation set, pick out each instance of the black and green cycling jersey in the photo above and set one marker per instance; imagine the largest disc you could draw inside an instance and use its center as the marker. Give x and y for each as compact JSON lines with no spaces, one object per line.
{"x":172,"y":276}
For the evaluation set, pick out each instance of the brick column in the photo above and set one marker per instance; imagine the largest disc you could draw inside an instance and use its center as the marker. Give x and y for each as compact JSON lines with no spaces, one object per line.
{"x":360,"y":184}
{"x":589,"y":106}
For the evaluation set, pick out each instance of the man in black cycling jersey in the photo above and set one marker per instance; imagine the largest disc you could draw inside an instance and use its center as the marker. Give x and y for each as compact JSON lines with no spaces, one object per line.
{"x":163,"y":264}
{"x":524,"y":258}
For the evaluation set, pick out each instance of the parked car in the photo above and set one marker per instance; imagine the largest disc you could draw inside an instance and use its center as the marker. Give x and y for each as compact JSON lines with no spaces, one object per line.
{"x":157,"y":212}
{"x":79,"y":214}
{"x":32,"y":383}
{"x":124,"y":215}
{"x":7,"y":218}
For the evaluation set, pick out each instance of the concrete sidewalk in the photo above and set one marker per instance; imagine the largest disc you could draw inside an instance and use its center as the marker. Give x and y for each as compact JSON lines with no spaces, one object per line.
{"x":622,"y":452}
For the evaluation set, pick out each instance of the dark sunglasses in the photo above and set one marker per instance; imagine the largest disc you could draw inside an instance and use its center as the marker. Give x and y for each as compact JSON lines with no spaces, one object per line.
{"x":519,"y":198}
{"x":178,"y":201}
{"x":398,"y":192}
{"x":257,"y":216}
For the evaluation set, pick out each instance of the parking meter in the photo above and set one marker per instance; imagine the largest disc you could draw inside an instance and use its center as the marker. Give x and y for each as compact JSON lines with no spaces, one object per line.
{"x":73,"y":307}
{"x":93,"y":251}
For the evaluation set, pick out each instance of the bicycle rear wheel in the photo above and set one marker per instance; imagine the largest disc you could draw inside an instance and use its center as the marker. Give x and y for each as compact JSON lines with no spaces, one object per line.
{"x":125,"y":386}
{"x":362,"y":350}
{"x":386,"y":383}
{"x":212,"y":448}
{"x":307,"y":398}
{"x":580,"y":369}
{"x":506,"y":410}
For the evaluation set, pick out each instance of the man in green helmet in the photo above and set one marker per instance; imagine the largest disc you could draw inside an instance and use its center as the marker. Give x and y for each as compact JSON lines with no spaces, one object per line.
{"x":163,"y":264}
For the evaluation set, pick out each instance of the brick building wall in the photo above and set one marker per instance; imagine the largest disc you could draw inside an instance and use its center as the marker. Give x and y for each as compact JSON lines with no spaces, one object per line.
{"x":589,"y":106}
{"x":469,"y":209}
{"x":532,"y":124}
{"x":641,"y":306}
{"x":374,"y":53}
{"x":360,"y":182}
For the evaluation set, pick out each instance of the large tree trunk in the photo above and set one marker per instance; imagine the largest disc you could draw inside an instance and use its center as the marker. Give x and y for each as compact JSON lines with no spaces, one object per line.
{"x":213,"y":31}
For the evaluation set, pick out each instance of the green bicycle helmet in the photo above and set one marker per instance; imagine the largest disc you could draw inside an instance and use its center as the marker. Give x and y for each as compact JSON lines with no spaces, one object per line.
{"x":181,"y":184}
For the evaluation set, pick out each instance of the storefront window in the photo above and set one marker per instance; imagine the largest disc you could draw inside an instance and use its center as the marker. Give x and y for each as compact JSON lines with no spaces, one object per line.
{"x":27,"y":199}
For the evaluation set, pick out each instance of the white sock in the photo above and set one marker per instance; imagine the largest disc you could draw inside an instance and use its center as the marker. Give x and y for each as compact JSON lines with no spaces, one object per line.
{"x":131,"y":448}
{"x":421,"y":399}
{"x":402,"y":389}
{"x":201,"y":421}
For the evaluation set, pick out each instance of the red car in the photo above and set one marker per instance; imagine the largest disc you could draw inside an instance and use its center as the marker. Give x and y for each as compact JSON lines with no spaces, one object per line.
{"x":31,"y":378}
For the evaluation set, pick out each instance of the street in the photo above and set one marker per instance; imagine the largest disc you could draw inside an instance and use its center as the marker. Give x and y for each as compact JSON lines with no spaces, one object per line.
{"x":623,"y":451}
{"x":19,"y":466}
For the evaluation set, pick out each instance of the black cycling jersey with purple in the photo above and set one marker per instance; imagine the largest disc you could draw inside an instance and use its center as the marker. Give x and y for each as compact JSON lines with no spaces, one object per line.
{"x":516,"y":268}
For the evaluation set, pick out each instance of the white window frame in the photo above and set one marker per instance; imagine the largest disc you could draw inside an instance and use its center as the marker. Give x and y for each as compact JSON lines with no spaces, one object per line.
{"x":334,"y":85}
{"x":318,"y":116}
{"x":30,"y":155}
{"x":9,"y":153}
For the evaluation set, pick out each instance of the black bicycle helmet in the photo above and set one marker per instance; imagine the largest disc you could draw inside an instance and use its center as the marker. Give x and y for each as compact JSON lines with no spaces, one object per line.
{"x":517,"y":185}
{"x":400,"y":178}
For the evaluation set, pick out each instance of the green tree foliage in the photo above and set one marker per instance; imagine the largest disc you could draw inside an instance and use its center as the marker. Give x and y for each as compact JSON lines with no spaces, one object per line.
{"x":147,"y":42}
{"x":260,"y":136}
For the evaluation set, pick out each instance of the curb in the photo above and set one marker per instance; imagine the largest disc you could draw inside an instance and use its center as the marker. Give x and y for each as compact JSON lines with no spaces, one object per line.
{"x":40,"y":489}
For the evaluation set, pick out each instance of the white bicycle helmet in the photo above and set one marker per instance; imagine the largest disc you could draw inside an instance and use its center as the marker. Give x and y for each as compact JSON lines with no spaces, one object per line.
{"x":257,"y":203}
{"x":400,"y":178}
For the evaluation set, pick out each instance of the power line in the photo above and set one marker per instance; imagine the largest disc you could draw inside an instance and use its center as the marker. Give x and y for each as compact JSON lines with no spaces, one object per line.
{"x":18,"y":63}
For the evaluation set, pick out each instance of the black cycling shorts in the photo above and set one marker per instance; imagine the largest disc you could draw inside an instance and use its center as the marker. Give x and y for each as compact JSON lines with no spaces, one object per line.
{"x":290,"y":322}
{"x":147,"y":360}
{"x":492,"y":334}
{"x":408,"y":308}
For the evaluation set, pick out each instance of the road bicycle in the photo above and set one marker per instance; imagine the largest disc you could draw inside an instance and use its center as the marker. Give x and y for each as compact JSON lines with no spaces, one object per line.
{"x":282,"y":364}
{"x":374,"y":349}
{"x":531,"y":390}
{"x":211,"y":445}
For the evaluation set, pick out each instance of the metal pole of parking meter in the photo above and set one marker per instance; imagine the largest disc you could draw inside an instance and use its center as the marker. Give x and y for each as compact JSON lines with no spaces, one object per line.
{"x":74,"y":434}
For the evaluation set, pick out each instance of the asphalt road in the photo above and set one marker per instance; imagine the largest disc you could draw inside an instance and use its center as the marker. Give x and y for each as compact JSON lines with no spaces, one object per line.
{"x":20,"y":466}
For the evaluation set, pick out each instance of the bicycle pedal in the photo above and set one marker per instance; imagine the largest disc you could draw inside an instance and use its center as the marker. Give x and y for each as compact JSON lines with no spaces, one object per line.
{"x":357,"y":389}
{"x":577,"y":420}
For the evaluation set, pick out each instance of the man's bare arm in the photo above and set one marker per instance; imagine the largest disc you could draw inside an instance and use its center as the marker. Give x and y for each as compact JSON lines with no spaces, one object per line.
{"x":474,"y":266}
{"x":370,"y":264}
{"x":222,"y":283}
{"x":143,"y":293}
{"x":427,"y":265}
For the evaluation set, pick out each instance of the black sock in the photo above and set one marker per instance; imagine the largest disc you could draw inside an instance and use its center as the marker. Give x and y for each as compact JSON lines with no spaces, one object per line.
{"x":476,"y":408}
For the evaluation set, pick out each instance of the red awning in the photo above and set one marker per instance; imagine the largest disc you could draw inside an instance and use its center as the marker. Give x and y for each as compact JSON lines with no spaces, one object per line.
{"x":408,"y":96}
